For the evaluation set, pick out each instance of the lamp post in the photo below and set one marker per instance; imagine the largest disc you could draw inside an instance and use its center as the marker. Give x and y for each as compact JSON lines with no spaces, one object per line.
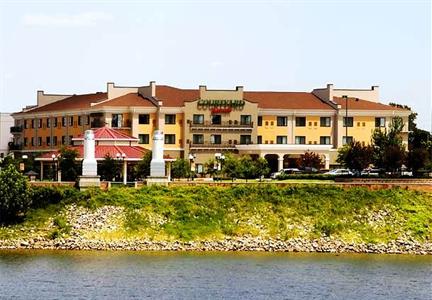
{"x":191,"y":160}
{"x":346,"y":117}
{"x":220,"y":157}
{"x":54,"y":158}
{"x":22,"y":166}
{"x":122,"y":157}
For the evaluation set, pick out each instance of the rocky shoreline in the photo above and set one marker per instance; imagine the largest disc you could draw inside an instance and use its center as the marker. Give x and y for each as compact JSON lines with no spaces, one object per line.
{"x":322,"y":245}
{"x":109,"y":219}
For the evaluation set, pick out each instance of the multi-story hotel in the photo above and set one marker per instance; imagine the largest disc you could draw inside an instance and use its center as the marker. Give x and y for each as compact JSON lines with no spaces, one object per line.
{"x":197,"y":123}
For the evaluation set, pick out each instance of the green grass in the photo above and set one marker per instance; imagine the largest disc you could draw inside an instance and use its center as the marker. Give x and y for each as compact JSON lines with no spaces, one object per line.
{"x":212,"y":212}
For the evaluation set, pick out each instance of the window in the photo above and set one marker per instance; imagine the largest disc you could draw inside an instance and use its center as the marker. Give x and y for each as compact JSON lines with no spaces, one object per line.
{"x":144,"y":138}
{"x":64,"y":121}
{"x":170,"y":119}
{"x":39,"y":140}
{"x":70,"y":140}
{"x":300,"y":140}
{"x":71,"y":121}
{"x":63,"y":140}
{"x":282,"y":121}
{"x":245,"y":139}
{"x":347,"y":140}
{"x":79,"y":120}
{"x":380,"y":122}
{"x":32,"y":141}
{"x":116,"y":120}
{"x":25,"y":124}
{"x":216,"y":139}
{"x":25,"y":142}
{"x":32,"y":123}
{"x":54,"y":141}
{"x":325,"y":121}
{"x":324,"y":140}
{"x":198,"y":119}
{"x":198,"y":139}
{"x":259,"y":139}
{"x":216,"y":119}
{"x":348,"y":121}
{"x":281,"y":139}
{"x":39,"y":123}
{"x":170,"y":138}
{"x":48,"y":123}
{"x":259,"y":121}
{"x":83,"y":120}
{"x":144,"y":119}
{"x":245,"y":119}
{"x":300,"y":121}
{"x":48,"y":141}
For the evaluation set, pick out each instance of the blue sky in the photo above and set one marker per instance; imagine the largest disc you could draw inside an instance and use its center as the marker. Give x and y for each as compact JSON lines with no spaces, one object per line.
{"x":78,"y":46}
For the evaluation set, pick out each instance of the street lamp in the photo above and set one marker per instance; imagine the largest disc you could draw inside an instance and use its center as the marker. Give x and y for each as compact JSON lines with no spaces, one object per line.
{"x":122,"y":157}
{"x":22,"y":165}
{"x":346,"y":116}
{"x":191,"y":159}
{"x":220,"y":157}
{"x":54,"y":158}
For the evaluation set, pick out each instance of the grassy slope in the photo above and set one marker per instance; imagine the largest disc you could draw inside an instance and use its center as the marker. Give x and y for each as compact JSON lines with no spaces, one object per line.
{"x":202,"y":212}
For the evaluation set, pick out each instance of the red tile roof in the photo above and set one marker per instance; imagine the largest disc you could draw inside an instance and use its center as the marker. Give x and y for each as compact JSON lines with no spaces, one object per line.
{"x":131,"y":152}
{"x":355,"y":103}
{"x":286,"y":100}
{"x":72,"y":102}
{"x":174,"y":97}
{"x":131,"y":99}
{"x":106,"y":133}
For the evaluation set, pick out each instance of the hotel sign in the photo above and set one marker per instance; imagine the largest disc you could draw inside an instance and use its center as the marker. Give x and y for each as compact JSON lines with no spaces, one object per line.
{"x":221,"y":103}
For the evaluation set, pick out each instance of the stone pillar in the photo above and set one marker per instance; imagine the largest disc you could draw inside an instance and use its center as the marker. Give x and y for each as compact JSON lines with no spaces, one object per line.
{"x":157,"y":164}
{"x":89,"y":176}
{"x":280,"y":162}
{"x":124,"y":172}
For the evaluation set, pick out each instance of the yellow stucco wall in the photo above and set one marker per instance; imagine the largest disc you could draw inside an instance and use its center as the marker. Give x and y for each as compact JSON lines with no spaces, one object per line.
{"x":176,"y":129}
{"x":313,"y":131}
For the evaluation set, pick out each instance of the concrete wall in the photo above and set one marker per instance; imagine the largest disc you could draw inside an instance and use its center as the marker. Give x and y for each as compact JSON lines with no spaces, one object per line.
{"x":327,"y":94}
{"x":44,"y":99}
{"x":117,"y":91}
{"x":6,"y":121}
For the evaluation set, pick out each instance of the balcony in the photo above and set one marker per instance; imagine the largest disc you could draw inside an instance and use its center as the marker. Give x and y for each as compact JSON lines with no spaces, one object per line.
{"x":223,"y":126}
{"x":16,"y":129}
{"x":14,"y":147}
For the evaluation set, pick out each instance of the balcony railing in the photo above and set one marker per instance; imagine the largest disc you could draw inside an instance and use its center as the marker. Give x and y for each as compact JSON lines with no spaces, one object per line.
{"x":16,"y":129}
{"x":208,"y":145}
{"x":225,"y":125}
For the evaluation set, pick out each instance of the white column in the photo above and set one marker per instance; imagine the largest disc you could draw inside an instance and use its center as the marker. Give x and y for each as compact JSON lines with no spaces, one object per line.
{"x":41,"y":170}
{"x":58,"y":174}
{"x":124,"y":171}
{"x":280,"y":162}
{"x":327,"y":161}
{"x":169,"y":170}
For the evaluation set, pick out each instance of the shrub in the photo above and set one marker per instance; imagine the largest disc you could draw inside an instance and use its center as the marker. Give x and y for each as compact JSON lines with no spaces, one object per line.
{"x":42,"y":196}
{"x":14,"y":194}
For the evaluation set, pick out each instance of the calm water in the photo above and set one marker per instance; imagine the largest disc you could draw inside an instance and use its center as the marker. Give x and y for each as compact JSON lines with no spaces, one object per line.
{"x":120,"y":275}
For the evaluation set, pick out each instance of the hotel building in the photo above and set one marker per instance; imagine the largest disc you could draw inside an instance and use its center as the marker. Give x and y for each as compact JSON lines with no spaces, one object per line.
{"x":198,"y":123}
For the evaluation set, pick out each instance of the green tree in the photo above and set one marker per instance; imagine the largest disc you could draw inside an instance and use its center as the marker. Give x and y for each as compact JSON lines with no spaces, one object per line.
{"x":389,"y":152}
{"x":180,"y":168}
{"x":355,"y":156}
{"x":68,"y":164}
{"x":419,"y":147}
{"x":109,"y":168}
{"x":261,"y":167}
{"x":231,"y":166}
{"x":310,"y":160}
{"x":246,"y":167}
{"x":142,"y":168}
{"x":210,"y":167}
{"x":14,"y":194}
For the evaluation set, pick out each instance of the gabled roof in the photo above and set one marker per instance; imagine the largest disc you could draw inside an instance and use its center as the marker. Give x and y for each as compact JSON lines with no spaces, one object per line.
{"x":131,"y":152}
{"x":131,"y":99}
{"x":72,"y":102}
{"x":286,"y":100}
{"x":360,"y":104}
{"x":174,"y":97}
{"x":106,"y":133}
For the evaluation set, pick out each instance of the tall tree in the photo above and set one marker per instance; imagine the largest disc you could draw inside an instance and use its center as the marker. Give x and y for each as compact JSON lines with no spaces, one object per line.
{"x":231,"y":166}
{"x":389,"y":151}
{"x":109,"y":168}
{"x":246,"y":167}
{"x":68,"y":164}
{"x":261,"y":167}
{"x":180,"y":168}
{"x":142,"y":168}
{"x":355,"y":156}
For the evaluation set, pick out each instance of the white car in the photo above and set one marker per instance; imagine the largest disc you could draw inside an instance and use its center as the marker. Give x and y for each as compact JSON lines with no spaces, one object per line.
{"x":285,"y":171}
{"x":340,"y":172}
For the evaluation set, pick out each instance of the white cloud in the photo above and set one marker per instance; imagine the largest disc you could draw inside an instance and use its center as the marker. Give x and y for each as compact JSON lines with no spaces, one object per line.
{"x":77,"y":20}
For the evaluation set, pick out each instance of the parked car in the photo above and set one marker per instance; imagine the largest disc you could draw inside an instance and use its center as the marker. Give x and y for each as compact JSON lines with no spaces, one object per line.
{"x":371,"y":172}
{"x":285,"y":171}
{"x":340,"y":172}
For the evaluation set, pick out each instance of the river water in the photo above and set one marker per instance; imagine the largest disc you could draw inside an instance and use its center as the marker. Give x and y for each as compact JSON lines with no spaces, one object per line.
{"x":156,"y":275}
